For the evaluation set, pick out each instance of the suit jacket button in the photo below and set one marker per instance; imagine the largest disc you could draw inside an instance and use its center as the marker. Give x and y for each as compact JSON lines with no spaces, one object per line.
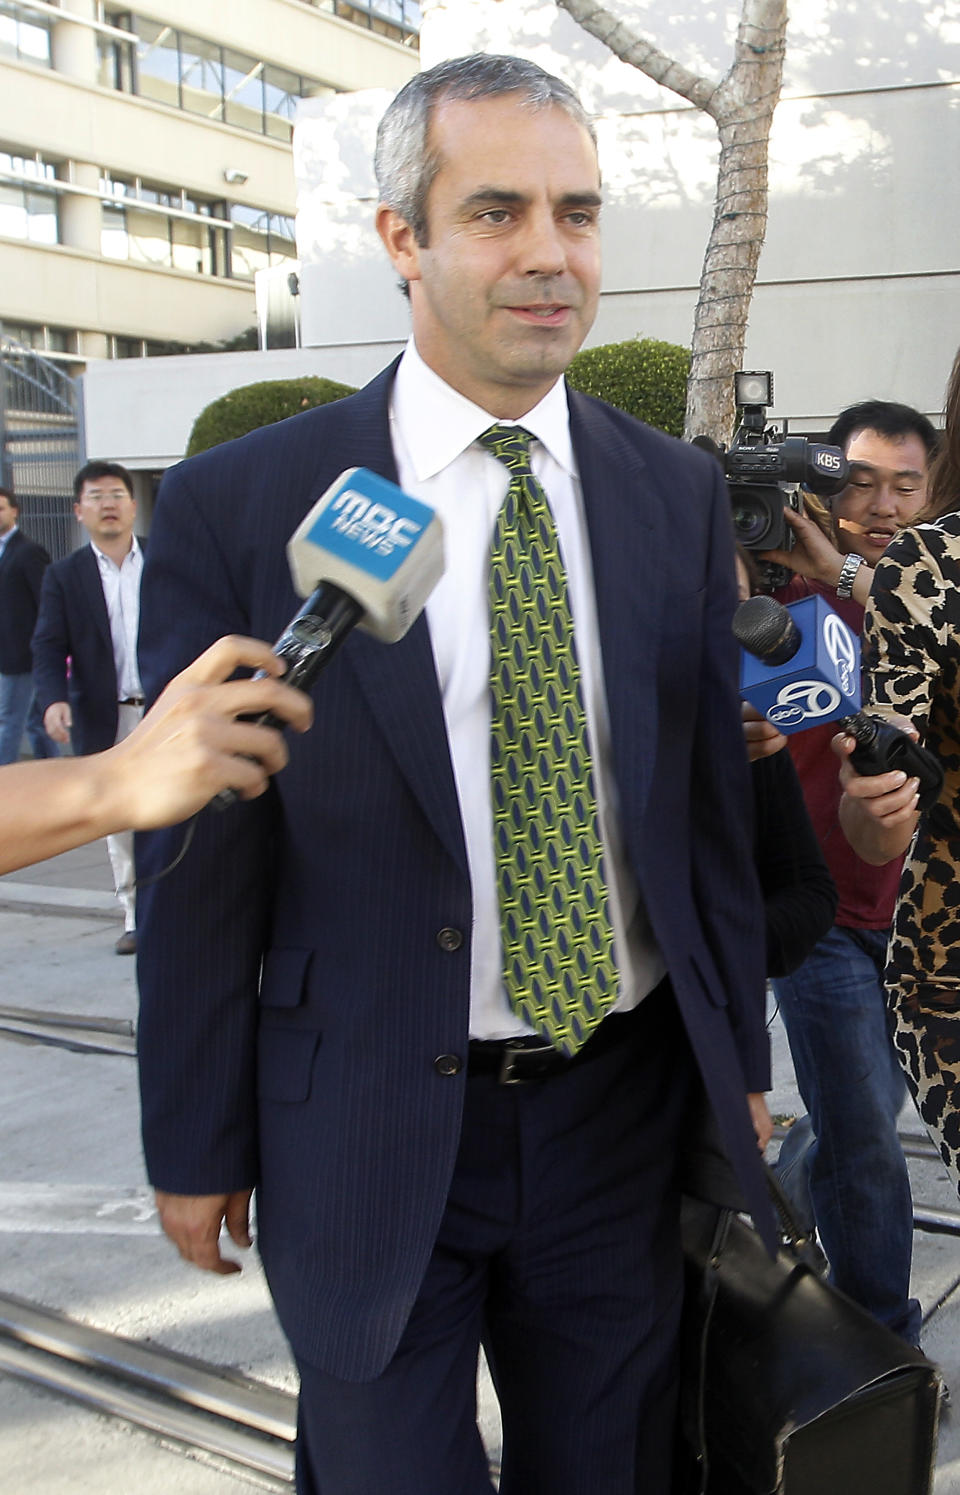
{"x":449,"y":939}
{"x":448,"y":1064}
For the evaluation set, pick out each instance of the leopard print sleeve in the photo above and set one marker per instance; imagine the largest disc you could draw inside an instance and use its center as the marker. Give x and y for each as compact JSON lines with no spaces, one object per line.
{"x":910,"y":636}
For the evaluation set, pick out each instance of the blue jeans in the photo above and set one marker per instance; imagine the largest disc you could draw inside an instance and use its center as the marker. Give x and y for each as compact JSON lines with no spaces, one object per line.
{"x":20,"y":713}
{"x":852,"y":1163}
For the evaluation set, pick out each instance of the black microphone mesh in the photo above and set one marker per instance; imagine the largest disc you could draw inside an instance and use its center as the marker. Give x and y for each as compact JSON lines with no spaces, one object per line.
{"x":765,"y":629}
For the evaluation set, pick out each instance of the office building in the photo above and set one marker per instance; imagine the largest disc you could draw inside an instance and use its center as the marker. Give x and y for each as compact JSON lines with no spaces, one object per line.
{"x":145,"y":160}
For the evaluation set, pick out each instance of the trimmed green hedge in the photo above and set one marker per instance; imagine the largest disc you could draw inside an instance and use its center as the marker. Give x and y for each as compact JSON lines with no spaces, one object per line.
{"x":644,"y":377}
{"x":254,"y":405}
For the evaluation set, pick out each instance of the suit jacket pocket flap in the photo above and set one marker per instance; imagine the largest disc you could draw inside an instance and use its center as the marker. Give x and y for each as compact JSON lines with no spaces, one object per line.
{"x":284,"y":979}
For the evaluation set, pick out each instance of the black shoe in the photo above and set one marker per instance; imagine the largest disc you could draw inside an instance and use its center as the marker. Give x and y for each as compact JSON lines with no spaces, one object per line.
{"x":127,"y":943}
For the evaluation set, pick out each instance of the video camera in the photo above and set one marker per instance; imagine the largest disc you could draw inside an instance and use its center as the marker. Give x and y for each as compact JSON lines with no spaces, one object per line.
{"x":764,"y":475}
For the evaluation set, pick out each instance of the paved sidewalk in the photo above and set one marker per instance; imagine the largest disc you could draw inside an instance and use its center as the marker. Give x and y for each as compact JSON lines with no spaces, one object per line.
{"x":78,"y":1231}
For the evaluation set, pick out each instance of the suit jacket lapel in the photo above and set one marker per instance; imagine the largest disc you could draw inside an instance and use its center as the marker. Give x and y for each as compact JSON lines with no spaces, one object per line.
{"x":92,"y":588}
{"x":15,"y":539}
{"x":400,"y":680}
{"x":626,"y":523}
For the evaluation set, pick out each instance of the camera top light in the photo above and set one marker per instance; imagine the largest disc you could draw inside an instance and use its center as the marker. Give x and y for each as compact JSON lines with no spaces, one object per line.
{"x":753,"y":387}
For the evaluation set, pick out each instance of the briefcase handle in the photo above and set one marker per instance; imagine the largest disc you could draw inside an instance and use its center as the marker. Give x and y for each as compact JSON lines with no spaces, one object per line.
{"x":801,"y":1244}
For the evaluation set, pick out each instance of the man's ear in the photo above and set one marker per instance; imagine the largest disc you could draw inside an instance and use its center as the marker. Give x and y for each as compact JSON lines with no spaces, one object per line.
{"x":399,"y":241}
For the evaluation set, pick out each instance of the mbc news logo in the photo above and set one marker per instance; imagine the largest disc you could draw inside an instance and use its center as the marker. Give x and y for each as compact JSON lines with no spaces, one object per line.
{"x":373,"y":525}
{"x":811,"y":700}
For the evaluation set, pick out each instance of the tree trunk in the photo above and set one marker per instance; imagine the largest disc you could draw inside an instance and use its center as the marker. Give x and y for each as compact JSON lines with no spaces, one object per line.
{"x":742,"y":106}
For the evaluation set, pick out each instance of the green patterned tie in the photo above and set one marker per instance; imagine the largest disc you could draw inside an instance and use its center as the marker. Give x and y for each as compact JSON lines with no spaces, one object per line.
{"x":559,"y":966}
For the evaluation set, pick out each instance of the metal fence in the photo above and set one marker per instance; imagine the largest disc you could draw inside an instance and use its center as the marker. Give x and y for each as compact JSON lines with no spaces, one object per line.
{"x":41,"y":443}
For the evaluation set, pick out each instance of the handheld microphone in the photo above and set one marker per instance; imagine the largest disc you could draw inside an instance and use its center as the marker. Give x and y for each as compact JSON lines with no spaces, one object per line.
{"x":801,"y":667}
{"x":367,"y":555}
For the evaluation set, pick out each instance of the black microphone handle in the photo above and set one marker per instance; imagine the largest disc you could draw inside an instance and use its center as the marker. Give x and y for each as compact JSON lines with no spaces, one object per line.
{"x":307,"y":645}
{"x":881,"y":747}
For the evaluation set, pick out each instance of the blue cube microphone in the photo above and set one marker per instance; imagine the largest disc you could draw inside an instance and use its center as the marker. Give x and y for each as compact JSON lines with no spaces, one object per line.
{"x":800,"y":668}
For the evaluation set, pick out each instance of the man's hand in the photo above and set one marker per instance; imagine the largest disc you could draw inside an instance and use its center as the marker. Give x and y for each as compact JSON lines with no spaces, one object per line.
{"x":761,"y":736}
{"x":813,"y":554}
{"x":761,"y":1118}
{"x":189,"y":745}
{"x":816,"y":557}
{"x":58,"y":720}
{"x":193,"y":1221}
{"x":878,"y":812}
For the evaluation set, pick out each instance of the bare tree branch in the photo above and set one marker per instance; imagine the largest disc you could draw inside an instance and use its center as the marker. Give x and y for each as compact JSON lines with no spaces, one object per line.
{"x":742,"y":105}
{"x":640,"y":52}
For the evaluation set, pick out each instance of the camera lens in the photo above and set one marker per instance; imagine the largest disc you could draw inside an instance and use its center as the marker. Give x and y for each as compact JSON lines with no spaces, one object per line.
{"x":751,"y":519}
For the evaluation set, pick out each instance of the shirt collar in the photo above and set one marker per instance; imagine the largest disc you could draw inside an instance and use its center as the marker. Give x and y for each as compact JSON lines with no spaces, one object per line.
{"x":104,"y":559}
{"x":10,"y":533}
{"x":437,"y":423}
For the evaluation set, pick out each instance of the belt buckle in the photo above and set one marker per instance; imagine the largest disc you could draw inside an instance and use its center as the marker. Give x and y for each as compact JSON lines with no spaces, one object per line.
{"x":512,"y":1049}
{"x":514,"y":1052}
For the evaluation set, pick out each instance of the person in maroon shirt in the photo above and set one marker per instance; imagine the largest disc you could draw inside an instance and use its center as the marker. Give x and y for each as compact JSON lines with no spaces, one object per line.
{"x":846,"y":1152}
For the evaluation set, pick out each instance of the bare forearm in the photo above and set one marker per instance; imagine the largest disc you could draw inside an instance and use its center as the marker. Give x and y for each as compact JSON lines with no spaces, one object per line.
{"x":188,"y":748}
{"x":50,"y":806}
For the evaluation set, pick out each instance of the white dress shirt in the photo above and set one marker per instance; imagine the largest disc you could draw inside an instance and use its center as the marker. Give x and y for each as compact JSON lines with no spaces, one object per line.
{"x":434,"y":431}
{"x":121,"y":592}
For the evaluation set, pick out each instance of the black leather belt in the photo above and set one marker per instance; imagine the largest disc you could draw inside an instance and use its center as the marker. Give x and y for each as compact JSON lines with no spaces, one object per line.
{"x":131,"y":701}
{"x":515,"y":1061}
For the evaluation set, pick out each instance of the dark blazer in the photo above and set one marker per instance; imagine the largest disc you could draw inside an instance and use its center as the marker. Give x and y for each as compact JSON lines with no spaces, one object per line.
{"x":73,"y":623}
{"x":21,"y":572}
{"x":308,"y":962}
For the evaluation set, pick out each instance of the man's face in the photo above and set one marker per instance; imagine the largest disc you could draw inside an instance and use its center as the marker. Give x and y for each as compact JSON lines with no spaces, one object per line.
{"x":887,"y":489}
{"x":106,"y":510}
{"x":505,"y":290}
{"x":8,"y":515}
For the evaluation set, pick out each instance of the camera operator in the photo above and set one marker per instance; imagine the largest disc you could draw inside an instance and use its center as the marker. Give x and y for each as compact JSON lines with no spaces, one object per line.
{"x":833,"y":1005}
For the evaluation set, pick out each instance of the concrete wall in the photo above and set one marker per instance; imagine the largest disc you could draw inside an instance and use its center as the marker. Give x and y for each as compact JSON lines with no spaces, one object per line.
{"x":859,"y":286}
{"x":140,"y":411}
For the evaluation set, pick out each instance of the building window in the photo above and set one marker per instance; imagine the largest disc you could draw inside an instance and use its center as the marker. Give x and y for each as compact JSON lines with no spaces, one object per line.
{"x":27,"y":211}
{"x":201,"y":77}
{"x":397,"y":19}
{"x":124,"y":347}
{"x":41,"y":339}
{"x":197,"y":235}
{"x":154,"y":69}
{"x":135,"y":227}
{"x":258,"y":240}
{"x":24,"y":34}
{"x":57,"y":345}
{"x":243,"y":91}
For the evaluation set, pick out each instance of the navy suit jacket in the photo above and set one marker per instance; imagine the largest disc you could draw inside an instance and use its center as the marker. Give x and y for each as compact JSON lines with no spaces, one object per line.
{"x":298,"y":973}
{"x":22,"y":565}
{"x":73,"y":622}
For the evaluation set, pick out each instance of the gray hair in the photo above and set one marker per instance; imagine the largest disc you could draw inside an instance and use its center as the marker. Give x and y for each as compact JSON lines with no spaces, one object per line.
{"x":404,"y":165}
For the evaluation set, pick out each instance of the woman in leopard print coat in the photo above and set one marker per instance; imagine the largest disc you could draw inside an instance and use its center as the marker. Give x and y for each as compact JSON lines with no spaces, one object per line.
{"x":911,"y":659}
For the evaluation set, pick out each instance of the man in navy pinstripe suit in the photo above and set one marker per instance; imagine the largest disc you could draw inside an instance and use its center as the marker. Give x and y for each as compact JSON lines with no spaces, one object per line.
{"x":323,"y":1014}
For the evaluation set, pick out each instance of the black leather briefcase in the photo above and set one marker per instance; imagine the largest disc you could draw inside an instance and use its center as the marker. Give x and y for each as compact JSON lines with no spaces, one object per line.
{"x":789,"y":1388}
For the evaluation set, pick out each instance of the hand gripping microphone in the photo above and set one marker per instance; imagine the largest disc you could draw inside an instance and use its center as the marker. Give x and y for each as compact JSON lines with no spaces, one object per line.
{"x":801,"y":667}
{"x":367,"y":555}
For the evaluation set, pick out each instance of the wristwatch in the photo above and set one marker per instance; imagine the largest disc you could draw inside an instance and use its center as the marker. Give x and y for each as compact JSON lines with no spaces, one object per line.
{"x":847,"y":575}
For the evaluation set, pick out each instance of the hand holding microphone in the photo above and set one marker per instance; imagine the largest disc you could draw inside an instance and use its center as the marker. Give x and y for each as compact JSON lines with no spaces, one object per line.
{"x":367,"y":555}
